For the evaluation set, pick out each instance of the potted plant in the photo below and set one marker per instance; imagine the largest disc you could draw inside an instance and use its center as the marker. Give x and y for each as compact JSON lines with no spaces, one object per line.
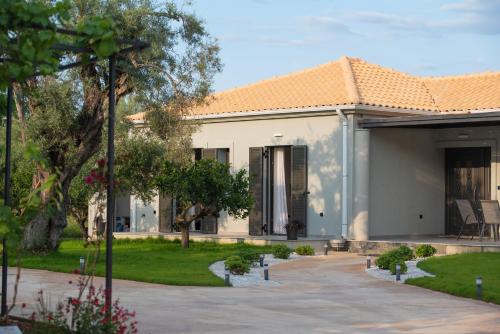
{"x":292,"y":229}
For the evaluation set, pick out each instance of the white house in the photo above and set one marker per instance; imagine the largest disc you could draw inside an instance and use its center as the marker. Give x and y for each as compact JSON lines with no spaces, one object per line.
{"x":350,"y":149}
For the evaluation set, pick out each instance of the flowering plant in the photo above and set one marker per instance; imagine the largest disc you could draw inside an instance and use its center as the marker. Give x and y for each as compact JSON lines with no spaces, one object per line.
{"x":85,"y":313}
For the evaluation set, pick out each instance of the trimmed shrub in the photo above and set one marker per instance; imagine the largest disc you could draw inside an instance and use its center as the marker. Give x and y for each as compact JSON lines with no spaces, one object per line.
{"x":236,"y":265}
{"x":281,"y":251}
{"x":405,"y":253}
{"x":425,"y":251}
{"x":305,"y":250}
{"x":385,"y":260}
{"x":392,"y":267}
{"x":249,"y":255}
{"x":401,"y":254}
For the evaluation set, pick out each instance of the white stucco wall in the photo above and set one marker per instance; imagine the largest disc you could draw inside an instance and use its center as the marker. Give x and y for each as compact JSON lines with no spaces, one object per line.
{"x":406,"y":180}
{"x":321,"y":134}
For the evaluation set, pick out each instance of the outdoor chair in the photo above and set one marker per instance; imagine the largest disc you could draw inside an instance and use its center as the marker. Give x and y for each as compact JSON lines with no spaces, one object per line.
{"x":468,"y":217}
{"x":491,"y":214}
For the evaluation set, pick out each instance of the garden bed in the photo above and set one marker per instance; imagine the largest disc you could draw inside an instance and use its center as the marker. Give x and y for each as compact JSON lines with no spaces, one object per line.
{"x":256,"y":275}
{"x":413,"y":272}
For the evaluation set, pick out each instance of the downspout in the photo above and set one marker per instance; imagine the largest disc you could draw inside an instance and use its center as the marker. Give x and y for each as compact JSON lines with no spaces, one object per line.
{"x":345,"y":175}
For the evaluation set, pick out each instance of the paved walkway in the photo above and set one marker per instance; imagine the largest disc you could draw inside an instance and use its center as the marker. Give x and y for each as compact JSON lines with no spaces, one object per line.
{"x":318,"y":295}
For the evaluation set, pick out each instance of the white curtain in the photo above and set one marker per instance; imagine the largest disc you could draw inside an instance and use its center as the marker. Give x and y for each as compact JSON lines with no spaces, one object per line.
{"x":280,"y":211}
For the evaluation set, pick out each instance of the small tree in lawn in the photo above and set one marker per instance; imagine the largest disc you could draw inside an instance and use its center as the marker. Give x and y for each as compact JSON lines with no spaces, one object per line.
{"x":203,"y":189}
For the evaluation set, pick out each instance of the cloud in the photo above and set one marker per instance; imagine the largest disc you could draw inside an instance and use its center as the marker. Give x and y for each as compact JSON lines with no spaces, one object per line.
{"x":283,"y":42}
{"x":474,"y":16}
{"x":327,"y":23}
{"x":468,"y":16}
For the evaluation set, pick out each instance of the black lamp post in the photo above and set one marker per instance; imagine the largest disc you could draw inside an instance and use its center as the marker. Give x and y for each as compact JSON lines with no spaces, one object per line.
{"x":6,"y":193}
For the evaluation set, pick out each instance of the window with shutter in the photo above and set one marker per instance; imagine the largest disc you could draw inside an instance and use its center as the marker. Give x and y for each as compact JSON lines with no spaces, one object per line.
{"x":166,"y":214}
{"x":255,"y":171}
{"x":299,"y":187}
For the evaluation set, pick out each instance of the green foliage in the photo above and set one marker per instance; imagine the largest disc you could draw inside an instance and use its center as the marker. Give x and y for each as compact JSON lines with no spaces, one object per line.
{"x":249,"y":255}
{"x":99,"y":34}
{"x":207,"y":185}
{"x":385,"y":259}
{"x":402,"y":264}
{"x":72,"y":231}
{"x":31,"y":51}
{"x":281,"y":251}
{"x":456,"y":274}
{"x":237,"y":265}
{"x":405,"y":253}
{"x":66,"y":113}
{"x":138,"y":160}
{"x":402,"y":253}
{"x":425,"y":250}
{"x":305,"y":250}
{"x":14,"y":219}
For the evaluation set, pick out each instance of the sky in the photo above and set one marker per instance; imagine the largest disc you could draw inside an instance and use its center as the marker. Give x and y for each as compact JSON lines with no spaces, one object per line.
{"x":260,"y":39}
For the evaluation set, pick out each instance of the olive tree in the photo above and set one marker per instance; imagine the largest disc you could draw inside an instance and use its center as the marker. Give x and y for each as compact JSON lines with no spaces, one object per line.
{"x":202,"y":189}
{"x":66,"y":113}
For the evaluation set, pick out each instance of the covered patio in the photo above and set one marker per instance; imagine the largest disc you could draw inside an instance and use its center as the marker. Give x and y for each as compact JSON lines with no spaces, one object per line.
{"x":419,"y":167}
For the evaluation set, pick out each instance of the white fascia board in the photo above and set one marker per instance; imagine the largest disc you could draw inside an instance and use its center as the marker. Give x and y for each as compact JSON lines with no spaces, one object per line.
{"x":313,"y":111}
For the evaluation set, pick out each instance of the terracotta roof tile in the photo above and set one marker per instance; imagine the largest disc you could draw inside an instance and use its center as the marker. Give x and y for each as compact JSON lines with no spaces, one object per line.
{"x":466,"y":92}
{"x":350,"y":81}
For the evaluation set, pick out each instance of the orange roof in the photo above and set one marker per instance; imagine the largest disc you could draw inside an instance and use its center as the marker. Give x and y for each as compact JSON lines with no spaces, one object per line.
{"x":465,"y":92}
{"x":352,"y":81}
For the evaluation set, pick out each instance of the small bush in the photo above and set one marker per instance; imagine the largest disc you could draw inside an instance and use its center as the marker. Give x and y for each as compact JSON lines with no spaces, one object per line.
{"x":401,"y":254}
{"x":392,"y":267}
{"x":425,"y":251}
{"x":405,"y":253}
{"x":249,"y":255}
{"x":384,"y":261}
{"x":305,"y":250}
{"x":236,"y":265}
{"x":281,"y":251}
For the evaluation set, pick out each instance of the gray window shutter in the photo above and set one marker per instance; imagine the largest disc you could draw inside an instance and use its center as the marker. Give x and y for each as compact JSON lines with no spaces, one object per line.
{"x":166,"y":214}
{"x":209,"y":153}
{"x":255,"y":171}
{"x":209,"y":225}
{"x":299,"y":187}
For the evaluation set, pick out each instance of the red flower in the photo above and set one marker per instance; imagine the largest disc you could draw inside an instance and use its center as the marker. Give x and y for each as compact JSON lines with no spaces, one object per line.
{"x":89,"y":180}
{"x":101,"y":163}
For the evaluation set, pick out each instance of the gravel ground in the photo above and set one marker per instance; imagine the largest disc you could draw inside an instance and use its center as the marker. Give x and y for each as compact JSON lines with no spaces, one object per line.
{"x":413,"y":272}
{"x":256,"y":274}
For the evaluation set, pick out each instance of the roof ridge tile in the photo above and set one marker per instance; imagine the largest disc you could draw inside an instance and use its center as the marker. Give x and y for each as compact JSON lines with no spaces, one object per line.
{"x":350,"y":80}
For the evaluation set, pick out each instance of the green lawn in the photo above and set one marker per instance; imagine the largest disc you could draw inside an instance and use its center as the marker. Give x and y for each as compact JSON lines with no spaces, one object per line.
{"x":147,"y":260}
{"x":456,"y":274}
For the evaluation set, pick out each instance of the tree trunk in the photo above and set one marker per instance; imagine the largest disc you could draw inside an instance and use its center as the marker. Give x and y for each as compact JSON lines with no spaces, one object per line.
{"x":44,"y":231}
{"x":184,"y":235}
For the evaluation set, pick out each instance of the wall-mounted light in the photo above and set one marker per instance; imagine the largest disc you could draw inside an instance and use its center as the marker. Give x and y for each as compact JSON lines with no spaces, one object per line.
{"x":278,"y":135}
{"x":463,"y":135}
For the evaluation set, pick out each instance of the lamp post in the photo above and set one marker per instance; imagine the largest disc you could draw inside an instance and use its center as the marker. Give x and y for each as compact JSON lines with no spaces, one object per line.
{"x":266,"y":272}
{"x":398,"y":272}
{"x":6,"y":194}
{"x":110,"y":193}
{"x":479,"y":287}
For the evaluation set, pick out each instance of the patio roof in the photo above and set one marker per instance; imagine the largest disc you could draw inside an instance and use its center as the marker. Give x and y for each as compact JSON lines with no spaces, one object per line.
{"x":434,"y":121}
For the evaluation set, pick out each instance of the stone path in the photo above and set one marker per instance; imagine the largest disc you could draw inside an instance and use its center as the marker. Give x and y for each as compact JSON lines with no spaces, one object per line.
{"x":330,"y":294}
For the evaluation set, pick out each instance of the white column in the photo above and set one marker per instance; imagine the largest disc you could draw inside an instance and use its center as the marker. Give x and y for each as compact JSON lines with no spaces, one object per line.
{"x":359,"y":227}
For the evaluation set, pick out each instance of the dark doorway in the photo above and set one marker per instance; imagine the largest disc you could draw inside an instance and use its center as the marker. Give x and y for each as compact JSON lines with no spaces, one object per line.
{"x":467,"y":177}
